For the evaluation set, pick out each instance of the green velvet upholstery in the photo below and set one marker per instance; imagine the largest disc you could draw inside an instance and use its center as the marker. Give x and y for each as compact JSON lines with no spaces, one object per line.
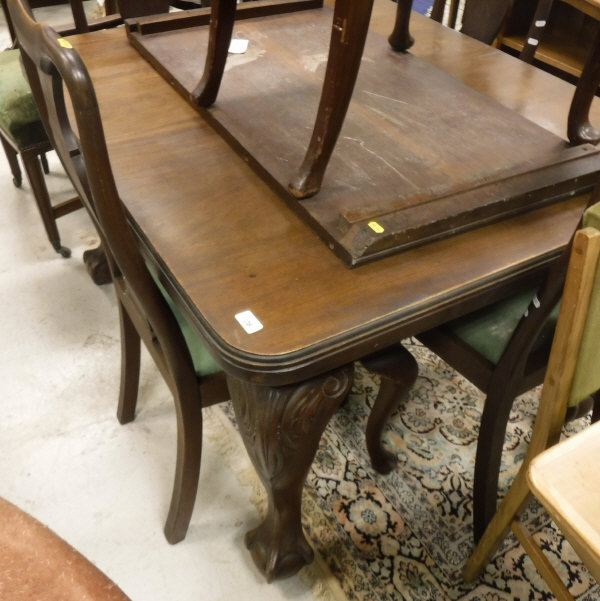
{"x":488,"y":330}
{"x":204,"y":364}
{"x":587,"y":373}
{"x":19,"y":117}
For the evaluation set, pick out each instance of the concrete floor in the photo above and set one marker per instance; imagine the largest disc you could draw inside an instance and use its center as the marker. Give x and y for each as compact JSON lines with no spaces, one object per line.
{"x":65,"y":459}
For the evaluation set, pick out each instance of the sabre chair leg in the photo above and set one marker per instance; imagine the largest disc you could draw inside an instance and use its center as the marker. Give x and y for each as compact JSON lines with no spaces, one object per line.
{"x":348,"y":34}
{"x":222,"y":18}
{"x":40,"y":193}
{"x":490,"y":443}
{"x":596,"y":407}
{"x":188,"y":406}
{"x":398,"y":371}
{"x":44,"y":161}
{"x":130,"y":368}
{"x":13,"y":161}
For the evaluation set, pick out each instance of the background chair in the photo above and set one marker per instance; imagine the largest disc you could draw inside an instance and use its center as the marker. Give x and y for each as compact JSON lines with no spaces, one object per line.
{"x":22,"y":133}
{"x":572,"y":375}
{"x":193,"y":377}
{"x":480,"y":19}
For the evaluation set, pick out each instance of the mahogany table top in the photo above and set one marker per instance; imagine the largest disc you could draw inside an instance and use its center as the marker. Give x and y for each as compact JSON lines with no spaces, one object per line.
{"x":227,"y":243}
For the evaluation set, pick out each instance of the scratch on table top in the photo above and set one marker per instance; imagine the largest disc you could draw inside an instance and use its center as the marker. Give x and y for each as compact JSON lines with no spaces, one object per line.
{"x":385,"y":97}
{"x":384,"y":161}
{"x":312,"y":62}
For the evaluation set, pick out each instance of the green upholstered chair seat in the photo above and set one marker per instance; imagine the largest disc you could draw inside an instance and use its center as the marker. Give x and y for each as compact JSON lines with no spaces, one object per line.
{"x":204,"y":364}
{"x":19,"y":117}
{"x":488,"y":330}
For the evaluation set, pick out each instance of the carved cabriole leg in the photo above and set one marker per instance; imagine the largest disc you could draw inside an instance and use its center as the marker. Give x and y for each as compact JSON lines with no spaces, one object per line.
{"x":579,"y":129}
{"x":348,"y":34}
{"x":400,"y":38}
{"x":281,"y":428}
{"x":222,"y":17}
{"x":398,"y":371}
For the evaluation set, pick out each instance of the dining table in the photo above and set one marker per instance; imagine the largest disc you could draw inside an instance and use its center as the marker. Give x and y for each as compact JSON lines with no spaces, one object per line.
{"x":282,"y":315}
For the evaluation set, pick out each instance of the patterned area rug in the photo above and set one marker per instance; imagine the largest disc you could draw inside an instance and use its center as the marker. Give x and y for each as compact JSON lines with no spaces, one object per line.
{"x":408,"y":534}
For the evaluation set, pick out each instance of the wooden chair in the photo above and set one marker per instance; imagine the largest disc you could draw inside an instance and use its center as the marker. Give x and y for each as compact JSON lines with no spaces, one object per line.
{"x":503,"y":349}
{"x":481,"y":19}
{"x":145,"y":308}
{"x":22,"y":133}
{"x":565,"y":479}
{"x":572,"y":376}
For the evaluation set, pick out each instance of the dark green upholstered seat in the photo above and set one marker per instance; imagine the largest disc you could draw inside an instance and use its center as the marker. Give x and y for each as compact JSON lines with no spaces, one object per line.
{"x":19,"y":117}
{"x":488,"y":330}
{"x":204,"y":364}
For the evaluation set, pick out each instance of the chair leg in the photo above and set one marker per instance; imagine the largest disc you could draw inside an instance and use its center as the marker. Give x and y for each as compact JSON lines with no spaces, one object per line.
{"x":13,"y":161}
{"x":44,"y":160}
{"x":40,"y":193}
{"x":188,"y":406}
{"x":596,"y":407}
{"x":398,"y":371}
{"x":490,"y":443}
{"x":494,"y":534}
{"x":130,"y":367}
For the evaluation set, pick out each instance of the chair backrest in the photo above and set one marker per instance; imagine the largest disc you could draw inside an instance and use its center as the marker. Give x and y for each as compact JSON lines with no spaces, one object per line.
{"x":480,"y":19}
{"x":81,"y":23}
{"x":54,"y":69}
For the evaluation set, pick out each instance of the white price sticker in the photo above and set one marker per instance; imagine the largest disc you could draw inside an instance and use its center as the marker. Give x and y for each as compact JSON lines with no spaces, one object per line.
{"x":249,"y":322}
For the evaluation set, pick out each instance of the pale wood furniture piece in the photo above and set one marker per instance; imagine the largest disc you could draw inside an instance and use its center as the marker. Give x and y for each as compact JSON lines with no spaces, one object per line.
{"x":227,"y":243}
{"x":35,"y":563}
{"x":54,"y":70}
{"x":571,"y":376}
{"x":566,"y":480}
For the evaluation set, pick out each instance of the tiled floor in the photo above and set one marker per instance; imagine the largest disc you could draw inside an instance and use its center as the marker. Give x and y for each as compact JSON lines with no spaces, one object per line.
{"x":65,"y":459}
